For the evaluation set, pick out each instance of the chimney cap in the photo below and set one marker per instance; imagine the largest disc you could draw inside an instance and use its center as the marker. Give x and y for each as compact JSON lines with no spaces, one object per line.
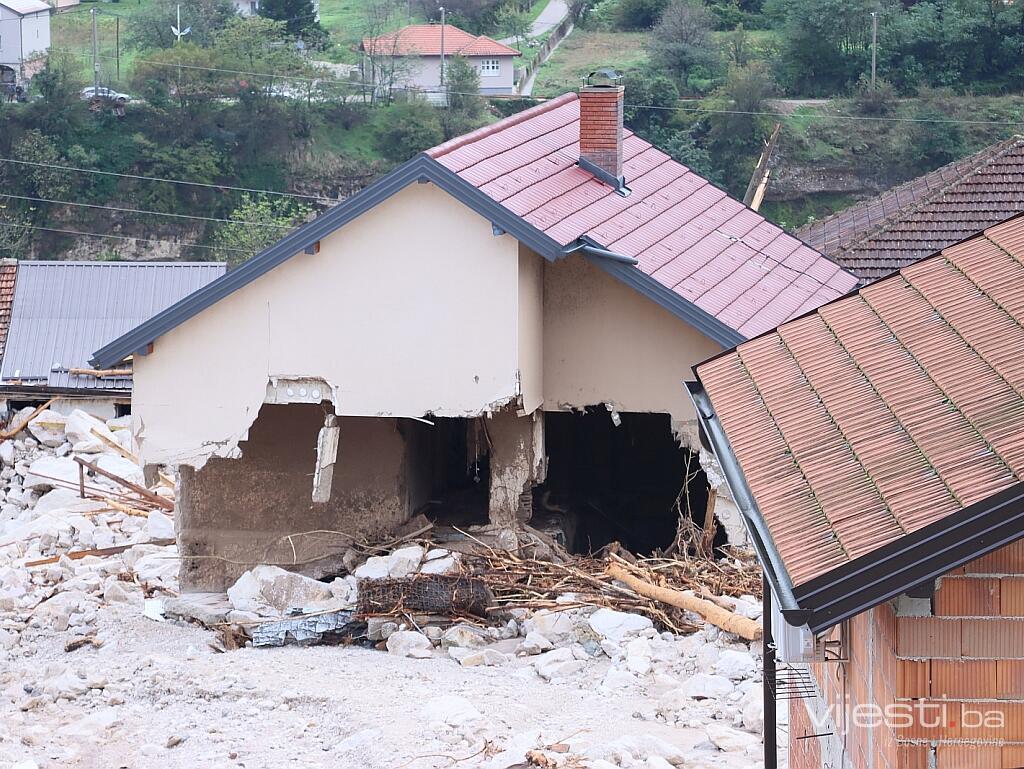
{"x":605,"y":77}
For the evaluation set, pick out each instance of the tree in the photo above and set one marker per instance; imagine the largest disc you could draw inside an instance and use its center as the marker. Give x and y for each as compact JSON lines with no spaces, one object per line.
{"x":638,"y":14}
{"x":383,"y":68}
{"x":250,"y":41}
{"x":260,"y":221}
{"x":37,"y":177}
{"x":299,"y":18}
{"x":825,"y":44}
{"x":681,"y":40}
{"x":735,"y":129}
{"x":515,"y":25}
{"x":464,"y":107}
{"x":60,"y":113}
{"x":405,"y":130}
{"x":190,"y":86}
{"x":150,"y":26}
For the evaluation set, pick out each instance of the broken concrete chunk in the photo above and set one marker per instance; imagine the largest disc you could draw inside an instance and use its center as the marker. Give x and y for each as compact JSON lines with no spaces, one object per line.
{"x":271,"y":591}
{"x":703,"y":686}
{"x":47,"y":472}
{"x":376,"y":567}
{"x":122,"y":468}
{"x":557,"y":626}
{"x":48,"y":428}
{"x":446,"y":565}
{"x":61,"y":499}
{"x":728,"y":739}
{"x":159,"y":526}
{"x":616,"y":625}
{"x":7,"y":453}
{"x":735,"y":664}
{"x":405,"y":561}
{"x":409,"y":643}
{"x":478,"y":657}
{"x":465,"y":636}
{"x":534,"y":643}
{"x":78,"y":429}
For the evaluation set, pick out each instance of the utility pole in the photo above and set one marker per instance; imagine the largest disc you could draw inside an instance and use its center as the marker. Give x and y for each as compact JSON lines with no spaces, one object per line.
{"x":759,"y":181}
{"x":117,"y":46}
{"x":442,"y":46}
{"x":874,"y":46}
{"x":95,"y":54}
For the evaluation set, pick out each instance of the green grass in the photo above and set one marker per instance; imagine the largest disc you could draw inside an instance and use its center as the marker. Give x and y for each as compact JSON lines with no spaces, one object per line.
{"x":356,"y":142}
{"x":583,"y":52}
{"x":71,"y":32}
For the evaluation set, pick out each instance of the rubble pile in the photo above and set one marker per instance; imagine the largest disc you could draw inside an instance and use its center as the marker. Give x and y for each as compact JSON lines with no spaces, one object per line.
{"x":78,"y":528}
{"x":707,"y":680}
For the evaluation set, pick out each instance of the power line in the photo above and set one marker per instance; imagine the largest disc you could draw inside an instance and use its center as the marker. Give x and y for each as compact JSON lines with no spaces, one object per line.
{"x":122,"y":237}
{"x":141,"y":211}
{"x":138,"y":177}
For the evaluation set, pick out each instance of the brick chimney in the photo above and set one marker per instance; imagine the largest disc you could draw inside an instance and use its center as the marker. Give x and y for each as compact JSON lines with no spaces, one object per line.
{"x":601,"y":131}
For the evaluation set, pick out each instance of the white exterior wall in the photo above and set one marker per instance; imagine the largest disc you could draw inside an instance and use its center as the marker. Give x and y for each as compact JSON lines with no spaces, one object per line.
{"x":246,"y":7}
{"x":22,"y":37}
{"x":409,"y":310}
{"x":424,"y":73}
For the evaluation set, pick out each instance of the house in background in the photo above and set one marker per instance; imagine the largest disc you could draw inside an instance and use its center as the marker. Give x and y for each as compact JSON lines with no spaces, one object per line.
{"x":499,"y":323}
{"x":24,"y":39}
{"x":54,"y":314}
{"x":876,"y":446}
{"x":410,"y":59}
{"x":247,"y":7}
{"x":878,"y":236}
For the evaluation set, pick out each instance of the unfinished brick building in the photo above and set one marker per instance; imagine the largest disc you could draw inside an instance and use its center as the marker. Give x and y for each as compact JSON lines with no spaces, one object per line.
{"x":876,"y":448}
{"x":504,"y":318}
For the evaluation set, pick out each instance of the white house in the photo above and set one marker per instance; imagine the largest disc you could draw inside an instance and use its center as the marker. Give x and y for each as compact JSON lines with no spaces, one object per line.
{"x":410,"y":59}
{"x":24,"y":38}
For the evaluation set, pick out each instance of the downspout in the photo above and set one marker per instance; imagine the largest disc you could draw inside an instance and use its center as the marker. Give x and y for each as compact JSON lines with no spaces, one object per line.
{"x":771,"y":748}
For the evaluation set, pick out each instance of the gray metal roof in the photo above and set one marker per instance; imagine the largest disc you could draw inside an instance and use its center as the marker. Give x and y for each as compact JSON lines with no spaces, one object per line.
{"x":64,"y":310}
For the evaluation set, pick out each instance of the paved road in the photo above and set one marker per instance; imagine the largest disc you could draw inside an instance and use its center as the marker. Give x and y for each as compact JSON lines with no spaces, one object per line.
{"x":554,"y":12}
{"x":527,"y":89}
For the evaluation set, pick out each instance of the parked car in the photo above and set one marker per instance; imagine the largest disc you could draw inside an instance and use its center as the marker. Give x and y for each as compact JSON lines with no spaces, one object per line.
{"x":91,"y":93}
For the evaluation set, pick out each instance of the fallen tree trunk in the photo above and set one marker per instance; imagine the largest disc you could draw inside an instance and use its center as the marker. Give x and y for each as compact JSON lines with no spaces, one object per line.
{"x":728,"y":621}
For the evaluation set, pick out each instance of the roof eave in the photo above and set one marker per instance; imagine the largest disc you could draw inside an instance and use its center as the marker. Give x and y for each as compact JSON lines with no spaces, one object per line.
{"x":421,"y":168}
{"x":917,"y":558}
{"x":870,"y":580}
{"x":714,"y":439}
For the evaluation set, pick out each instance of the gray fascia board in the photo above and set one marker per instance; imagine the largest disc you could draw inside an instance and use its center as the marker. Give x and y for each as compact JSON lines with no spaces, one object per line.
{"x":420,"y":168}
{"x":679,"y":306}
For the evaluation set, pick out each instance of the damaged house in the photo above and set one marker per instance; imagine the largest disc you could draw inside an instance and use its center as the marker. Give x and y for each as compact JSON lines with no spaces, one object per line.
{"x":876,"y":447}
{"x":53,"y":315}
{"x":493,"y":333}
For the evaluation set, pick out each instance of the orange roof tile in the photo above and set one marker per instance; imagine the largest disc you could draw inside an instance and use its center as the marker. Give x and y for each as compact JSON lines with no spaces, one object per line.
{"x":884,"y":412}
{"x":425,"y":40}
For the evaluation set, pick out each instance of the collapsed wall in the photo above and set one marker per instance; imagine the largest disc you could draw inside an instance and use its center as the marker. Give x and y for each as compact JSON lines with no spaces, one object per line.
{"x":258,"y":508}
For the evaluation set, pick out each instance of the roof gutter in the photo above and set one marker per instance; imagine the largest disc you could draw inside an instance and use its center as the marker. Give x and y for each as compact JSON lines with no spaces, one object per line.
{"x":587,"y":246}
{"x":774,"y":569}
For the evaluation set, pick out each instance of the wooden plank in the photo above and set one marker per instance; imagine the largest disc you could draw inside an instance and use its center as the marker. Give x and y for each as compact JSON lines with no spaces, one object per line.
{"x":114,"y":445}
{"x":142,"y":491}
{"x":100,"y":552}
{"x":10,"y":433}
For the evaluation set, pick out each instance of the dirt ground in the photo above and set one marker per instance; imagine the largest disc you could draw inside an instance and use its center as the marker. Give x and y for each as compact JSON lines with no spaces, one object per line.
{"x":168,"y":700}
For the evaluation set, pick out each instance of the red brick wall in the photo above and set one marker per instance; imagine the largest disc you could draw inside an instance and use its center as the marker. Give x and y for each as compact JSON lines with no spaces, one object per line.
{"x":601,"y":127}
{"x":968,"y":659}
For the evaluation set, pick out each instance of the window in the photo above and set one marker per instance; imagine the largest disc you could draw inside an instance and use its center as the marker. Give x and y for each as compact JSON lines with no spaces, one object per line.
{"x":490,"y":67}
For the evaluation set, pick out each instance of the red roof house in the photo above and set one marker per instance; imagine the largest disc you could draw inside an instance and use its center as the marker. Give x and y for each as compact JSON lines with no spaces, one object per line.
{"x":525,"y":299}
{"x":411,"y":58}
{"x":876,"y":447}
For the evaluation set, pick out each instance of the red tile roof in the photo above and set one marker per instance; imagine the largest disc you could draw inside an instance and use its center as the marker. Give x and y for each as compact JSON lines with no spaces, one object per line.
{"x":425,"y":40}
{"x":8,"y":275}
{"x":914,"y":220}
{"x":685,"y":232}
{"x":884,"y":411}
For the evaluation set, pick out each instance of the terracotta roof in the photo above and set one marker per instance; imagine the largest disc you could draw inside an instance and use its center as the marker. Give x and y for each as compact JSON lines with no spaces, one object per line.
{"x":918,"y":218}
{"x":425,"y":40}
{"x":8,"y":274}
{"x":885,"y":413}
{"x":688,"y":234}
